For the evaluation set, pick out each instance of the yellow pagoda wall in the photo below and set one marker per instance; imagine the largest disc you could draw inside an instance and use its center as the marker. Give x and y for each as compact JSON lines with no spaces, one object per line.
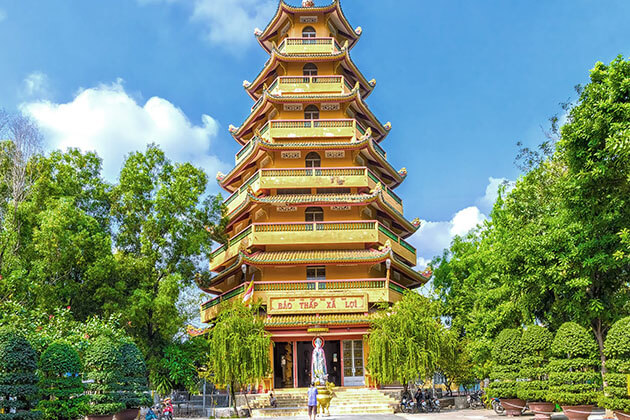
{"x":300,"y":163}
{"x":335,"y":272}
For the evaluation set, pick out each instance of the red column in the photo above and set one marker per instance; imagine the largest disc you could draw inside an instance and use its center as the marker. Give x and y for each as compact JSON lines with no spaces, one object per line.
{"x":295,"y":365}
{"x":341,"y":356}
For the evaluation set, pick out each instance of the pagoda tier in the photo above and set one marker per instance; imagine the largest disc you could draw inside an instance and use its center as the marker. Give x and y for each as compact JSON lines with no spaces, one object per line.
{"x":313,"y":221}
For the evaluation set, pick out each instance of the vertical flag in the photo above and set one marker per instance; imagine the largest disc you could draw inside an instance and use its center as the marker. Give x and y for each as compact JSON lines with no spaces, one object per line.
{"x":249,"y":293}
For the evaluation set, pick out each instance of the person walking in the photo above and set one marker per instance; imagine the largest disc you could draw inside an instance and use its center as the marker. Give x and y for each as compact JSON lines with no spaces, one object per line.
{"x":312,"y":402}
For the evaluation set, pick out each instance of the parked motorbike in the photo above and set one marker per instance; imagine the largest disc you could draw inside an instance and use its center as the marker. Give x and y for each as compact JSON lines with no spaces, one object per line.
{"x":474,"y":400}
{"x":408,"y":405}
{"x":496,"y":406}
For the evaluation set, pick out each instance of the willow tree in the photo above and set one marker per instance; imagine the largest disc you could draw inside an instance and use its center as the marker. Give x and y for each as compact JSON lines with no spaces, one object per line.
{"x":238,"y":348}
{"x":407,"y":341}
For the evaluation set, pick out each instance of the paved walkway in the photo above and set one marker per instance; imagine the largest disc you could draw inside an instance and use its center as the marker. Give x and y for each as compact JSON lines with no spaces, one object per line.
{"x":465,"y":414}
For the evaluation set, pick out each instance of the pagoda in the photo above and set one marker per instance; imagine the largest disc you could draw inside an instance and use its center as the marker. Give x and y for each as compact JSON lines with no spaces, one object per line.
{"x":313,"y":218}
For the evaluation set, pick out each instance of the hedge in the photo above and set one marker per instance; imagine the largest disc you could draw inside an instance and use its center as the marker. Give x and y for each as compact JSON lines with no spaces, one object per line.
{"x":103,"y":372}
{"x":134,"y":386}
{"x":573,"y":375}
{"x":60,"y":382}
{"x":536,"y":345}
{"x":18,"y":380}
{"x":617,"y":352}
{"x":506,"y":357}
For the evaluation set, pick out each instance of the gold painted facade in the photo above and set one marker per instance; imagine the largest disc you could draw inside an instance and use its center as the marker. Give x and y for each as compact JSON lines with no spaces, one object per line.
{"x":313,"y":216}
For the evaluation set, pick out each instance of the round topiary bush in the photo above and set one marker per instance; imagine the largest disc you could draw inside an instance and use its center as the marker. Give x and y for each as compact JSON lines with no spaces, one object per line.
{"x":134,"y":385}
{"x":573,"y":375}
{"x":536,"y":345}
{"x":60,"y":383}
{"x":617,"y":352}
{"x":506,"y":358}
{"x":103,"y":373}
{"x":18,"y":380}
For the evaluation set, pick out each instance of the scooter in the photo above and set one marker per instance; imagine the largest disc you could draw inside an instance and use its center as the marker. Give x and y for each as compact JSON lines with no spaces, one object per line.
{"x":496,"y":406}
{"x":408,"y":405}
{"x":474,"y":401}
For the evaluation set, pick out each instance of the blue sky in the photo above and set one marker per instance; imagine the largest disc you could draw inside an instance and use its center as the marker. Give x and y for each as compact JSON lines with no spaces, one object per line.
{"x":461,"y":82}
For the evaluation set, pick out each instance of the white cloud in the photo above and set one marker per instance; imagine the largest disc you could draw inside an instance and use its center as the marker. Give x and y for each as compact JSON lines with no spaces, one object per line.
{"x":228,"y":23}
{"x":492,"y":192}
{"x":3,"y":15}
{"x":35,"y":84}
{"x":107,"y":120}
{"x":434,"y":236}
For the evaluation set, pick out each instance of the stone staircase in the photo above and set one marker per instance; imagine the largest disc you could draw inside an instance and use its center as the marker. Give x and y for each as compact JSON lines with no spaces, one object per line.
{"x":292,"y":402}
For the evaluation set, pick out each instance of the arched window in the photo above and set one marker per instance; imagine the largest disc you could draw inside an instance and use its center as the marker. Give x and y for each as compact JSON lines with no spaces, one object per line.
{"x":309,"y":32}
{"x":313,"y":160}
{"x":314,"y":214}
{"x":309,"y":69}
{"x":311,"y":112}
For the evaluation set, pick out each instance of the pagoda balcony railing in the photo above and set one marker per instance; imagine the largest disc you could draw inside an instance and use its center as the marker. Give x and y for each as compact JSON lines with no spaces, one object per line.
{"x":289,"y":129}
{"x":309,"y":84}
{"x":309,"y":46}
{"x":377,"y":290}
{"x":265,"y":179}
{"x":300,"y":85}
{"x":313,"y":233}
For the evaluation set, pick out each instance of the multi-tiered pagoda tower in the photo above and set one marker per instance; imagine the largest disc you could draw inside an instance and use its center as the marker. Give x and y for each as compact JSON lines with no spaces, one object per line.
{"x":313,"y":217}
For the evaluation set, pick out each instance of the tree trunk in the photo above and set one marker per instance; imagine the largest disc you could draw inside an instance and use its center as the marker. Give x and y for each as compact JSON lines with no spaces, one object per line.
{"x":233,"y":394}
{"x":596,"y":324}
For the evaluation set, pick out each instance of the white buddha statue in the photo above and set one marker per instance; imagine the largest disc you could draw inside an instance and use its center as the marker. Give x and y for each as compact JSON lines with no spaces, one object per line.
{"x":319,"y":373}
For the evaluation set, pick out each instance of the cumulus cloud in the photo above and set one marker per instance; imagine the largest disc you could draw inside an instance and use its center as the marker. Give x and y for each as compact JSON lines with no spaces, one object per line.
{"x":492,"y":192}
{"x":35,"y":84}
{"x":105,"y":119}
{"x":227,"y":23}
{"x":434,"y":236}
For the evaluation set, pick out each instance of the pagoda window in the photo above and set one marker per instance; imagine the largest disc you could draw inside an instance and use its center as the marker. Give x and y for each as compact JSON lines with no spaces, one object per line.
{"x":316,"y":273}
{"x":311,"y":112}
{"x":313,"y":160}
{"x":314,"y":214}
{"x":309,"y":69}
{"x":309,"y":32}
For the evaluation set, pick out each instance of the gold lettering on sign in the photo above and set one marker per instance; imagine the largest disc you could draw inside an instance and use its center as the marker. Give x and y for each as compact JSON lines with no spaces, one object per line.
{"x":340,"y":208}
{"x":308,"y":19}
{"x":317,"y":304}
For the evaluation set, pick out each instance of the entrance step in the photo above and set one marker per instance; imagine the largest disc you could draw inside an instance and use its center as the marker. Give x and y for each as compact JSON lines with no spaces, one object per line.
{"x":292,"y":402}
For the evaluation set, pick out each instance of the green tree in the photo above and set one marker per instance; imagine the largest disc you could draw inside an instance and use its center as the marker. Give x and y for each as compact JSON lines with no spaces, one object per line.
{"x":161,"y":211}
{"x":536,"y":346}
{"x":133,"y":386}
{"x":60,"y":383}
{"x":617,"y":350}
{"x":238,"y":348}
{"x":407,"y":341}
{"x":506,"y":355}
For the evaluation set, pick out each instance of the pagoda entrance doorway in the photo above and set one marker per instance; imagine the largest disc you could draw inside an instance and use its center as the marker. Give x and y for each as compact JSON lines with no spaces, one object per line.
{"x":353,"y":370}
{"x":332,"y":349}
{"x":283,"y":365}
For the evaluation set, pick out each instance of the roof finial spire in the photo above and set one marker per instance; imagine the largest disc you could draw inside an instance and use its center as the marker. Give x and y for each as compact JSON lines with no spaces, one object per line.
{"x":308,"y":3}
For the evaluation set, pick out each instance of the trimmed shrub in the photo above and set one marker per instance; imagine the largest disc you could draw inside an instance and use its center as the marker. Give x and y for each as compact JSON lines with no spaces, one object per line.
{"x":617,"y":352}
{"x":506,"y":357}
{"x":134,"y":387}
{"x":60,"y":383}
{"x":536,"y":345}
{"x":102,"y":366}
{"x":573,"y":375}
{"x":18,"y":380}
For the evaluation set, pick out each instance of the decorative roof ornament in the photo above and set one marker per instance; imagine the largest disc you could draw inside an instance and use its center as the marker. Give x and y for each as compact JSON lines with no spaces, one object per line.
{"x":258,"y":32}
{"x":416,"y":222}
{"x":358,"y":30}
{"x":220,"y":176}
{"x":345,"y":45}
{"x":308,"y":3}
{"x":403,"y":172}
{"x":377,"y":189}
{"x":372,"y":82}
{"x":246,"y":83}
{"x":427,"y":273}
{"x":232,"y":129}
{"x":386,"y":247}
{"x":387,"y":126}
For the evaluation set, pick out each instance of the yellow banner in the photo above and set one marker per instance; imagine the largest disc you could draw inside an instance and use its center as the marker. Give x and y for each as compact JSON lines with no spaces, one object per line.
{"x":628,"y":383}
{"x":317,"y":304}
